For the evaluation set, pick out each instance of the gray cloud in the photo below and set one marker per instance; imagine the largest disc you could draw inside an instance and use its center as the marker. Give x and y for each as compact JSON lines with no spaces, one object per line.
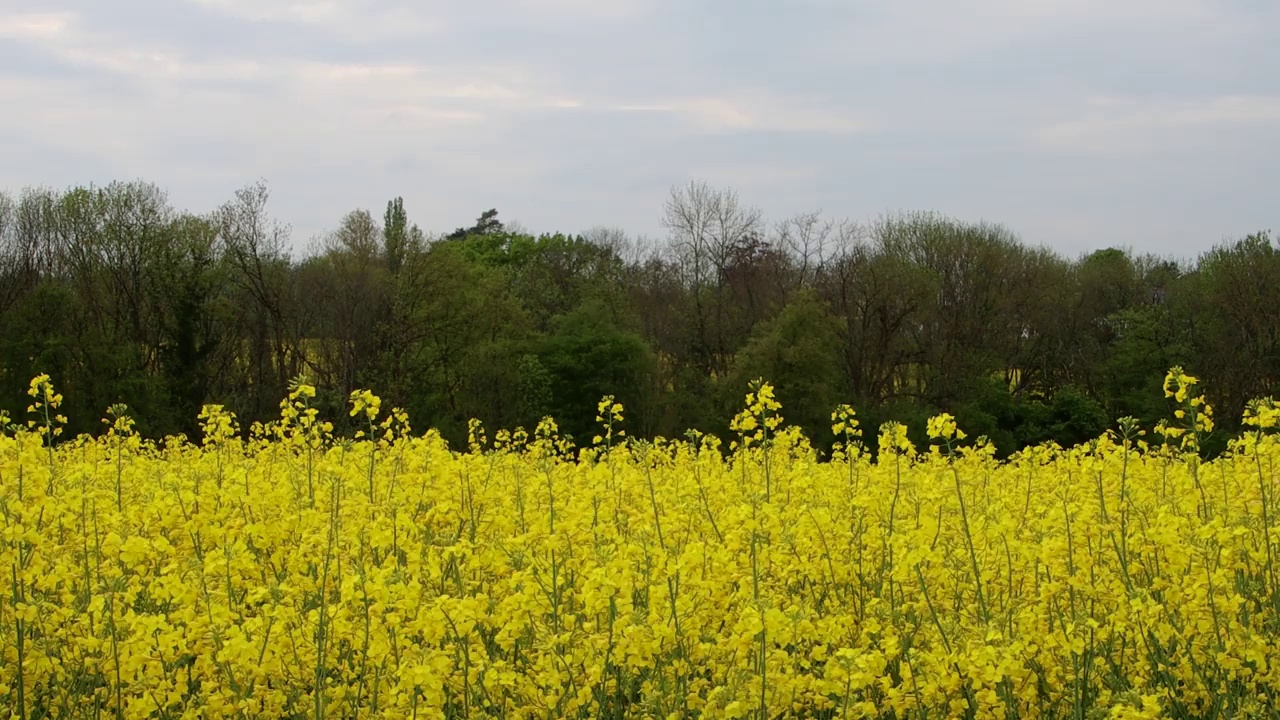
{"x":1079,"y":123}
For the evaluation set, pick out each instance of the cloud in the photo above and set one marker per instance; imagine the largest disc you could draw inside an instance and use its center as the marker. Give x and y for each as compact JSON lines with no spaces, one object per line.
{"x":755,"y":178}
{"x":409,"y":82}
{"x":559,"y":10}
{"x":35,"y":26}
{"x":363,"y":19}
{"x":443,"y":91}
{"x":369,"y":20}
{"x":1132,"y":125}
{"x":562,"y":112}
{"x":404,"y":90}
{"x":764,"y":114}
{"x":65,"y":37}
{"x":305,"y":11}
{"x":1015,"y":47}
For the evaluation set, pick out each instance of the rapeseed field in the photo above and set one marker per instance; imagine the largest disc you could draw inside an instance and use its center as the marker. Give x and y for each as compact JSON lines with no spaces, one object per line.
{"x":287,"y":572}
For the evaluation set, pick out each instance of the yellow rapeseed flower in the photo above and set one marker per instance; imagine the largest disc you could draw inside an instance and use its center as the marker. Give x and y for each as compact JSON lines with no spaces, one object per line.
{"x":294,"y":572}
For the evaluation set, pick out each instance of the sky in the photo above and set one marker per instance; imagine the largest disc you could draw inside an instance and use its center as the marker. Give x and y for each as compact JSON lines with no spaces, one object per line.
{"x":1078,"y":124}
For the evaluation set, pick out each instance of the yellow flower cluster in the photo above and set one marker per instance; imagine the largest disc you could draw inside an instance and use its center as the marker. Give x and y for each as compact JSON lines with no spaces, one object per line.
{"x":291,"y":573}
{"x":44,"y":405}
{"x":609,"y":414}
{"x":1194,"y":414}
{"x":760,"y":416}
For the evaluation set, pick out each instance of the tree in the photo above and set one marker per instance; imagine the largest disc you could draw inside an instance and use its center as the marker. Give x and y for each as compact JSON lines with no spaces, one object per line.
{"x":124,"y":299}
{"x":799,"y":353}
{"x":807,"y":238}
{"x":1233,"y":298}
{"x":348,"y":287}
{"x":454,"y":341}
{"x":879,"y":297}
{"x":395,"y":234}
{"x":14,"y":259}
{"x":708,"y":227}
{"x":196,"y":348}
{"x":589,"y":355}
{"x":256,"y":249}
{"x":486,"y":224}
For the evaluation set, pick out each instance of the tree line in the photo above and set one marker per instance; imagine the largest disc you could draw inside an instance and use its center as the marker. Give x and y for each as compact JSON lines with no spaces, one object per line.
{"x":122,"y":298}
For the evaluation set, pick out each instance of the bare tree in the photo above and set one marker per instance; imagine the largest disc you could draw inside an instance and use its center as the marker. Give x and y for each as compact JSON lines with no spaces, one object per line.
{"x":11,"y":255}
{"x":706,"y":224}
{"x":347,"y":287}
{"x":135,"y":221}
{"x":807,"y":238}
{"x":35,"y":232}
{"x":708,"y":228}
{"x":252,"y":241}
{"x":256,"y":248}
{"x":878,"y":297}
{"x":611,"y":237}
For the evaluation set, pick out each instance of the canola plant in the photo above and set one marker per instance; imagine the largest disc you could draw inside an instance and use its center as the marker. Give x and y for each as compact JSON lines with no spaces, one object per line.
{"x":286,"y":572}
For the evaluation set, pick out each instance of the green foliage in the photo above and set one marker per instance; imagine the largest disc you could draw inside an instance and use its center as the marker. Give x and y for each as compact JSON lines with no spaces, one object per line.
{"x":1146,"y":338}
{"x":1013,"y":422}
{"x":589,"y":354}
{"x":798,"y":352}
{"x":395,"y":234}
{"x":1074,"y":417}
{"x":123,"y":299}
{"x":486,"y":224}
{"x":37,"y":338}
{"x":534,"y":397}
{"x":463,"y":335}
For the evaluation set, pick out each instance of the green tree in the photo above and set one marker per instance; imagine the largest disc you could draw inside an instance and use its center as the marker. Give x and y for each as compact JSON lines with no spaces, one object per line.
{"x":453,"y":343}
{"x":395,"y":234}
{"x":588,"y":355}
{"x":799,"y":352}
{"x":486,"y":224}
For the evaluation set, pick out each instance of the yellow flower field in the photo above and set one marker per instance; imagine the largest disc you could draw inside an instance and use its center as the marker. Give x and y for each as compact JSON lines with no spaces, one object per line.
{"x":297,"y":574}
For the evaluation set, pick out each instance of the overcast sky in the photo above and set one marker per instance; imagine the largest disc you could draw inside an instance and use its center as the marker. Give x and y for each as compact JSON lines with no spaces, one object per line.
{"x":1153,"y":124}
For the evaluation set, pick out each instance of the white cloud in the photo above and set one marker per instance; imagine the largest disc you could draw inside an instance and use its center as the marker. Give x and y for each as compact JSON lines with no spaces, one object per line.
{"x":757,"y":113}
{"x":550,"y":102}
{"x":35,"y":26}
{"x":172,"y":127}
{"x":758,"y":178}
{"x":401,"y":17}
{"x":1055,"y":12}
{"x":64,"y":36}
{"x":302,"y":11}
{"x":929,"y":32}
{"x":454,"y":91}
{"x":352,"y":19}
{"x":1128,"y":125}
{"x":597,"y":9}
{"x":161,"y":64}
{"x":408,"y":81}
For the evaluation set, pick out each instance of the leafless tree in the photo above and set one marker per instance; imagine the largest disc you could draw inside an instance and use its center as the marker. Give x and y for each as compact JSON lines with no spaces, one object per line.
{"x":257,"y":249}
{"x":807,"y":238}
{"x":705,"y":225}
{"x":347,"y":291}
{"x":708,"y":229}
